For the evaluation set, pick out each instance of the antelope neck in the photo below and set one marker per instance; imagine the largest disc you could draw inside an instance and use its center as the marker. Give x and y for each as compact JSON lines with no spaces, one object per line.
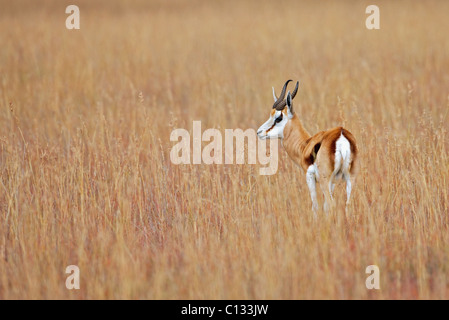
{"x":295,"y":139}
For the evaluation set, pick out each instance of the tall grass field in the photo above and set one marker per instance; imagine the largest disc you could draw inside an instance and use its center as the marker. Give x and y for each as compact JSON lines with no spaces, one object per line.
{"x":86,"y":177}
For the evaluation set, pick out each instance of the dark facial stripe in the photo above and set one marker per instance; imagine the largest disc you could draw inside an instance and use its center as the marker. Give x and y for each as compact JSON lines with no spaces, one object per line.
{"x":271,"y":127}
{"x":275,"y":122}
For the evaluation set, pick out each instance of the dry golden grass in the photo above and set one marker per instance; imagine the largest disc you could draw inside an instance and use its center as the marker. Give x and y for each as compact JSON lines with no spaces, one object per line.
{"x":86,"y":177}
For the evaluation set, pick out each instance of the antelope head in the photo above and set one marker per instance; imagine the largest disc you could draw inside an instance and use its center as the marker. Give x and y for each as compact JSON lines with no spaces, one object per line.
{"x":273,"y":128}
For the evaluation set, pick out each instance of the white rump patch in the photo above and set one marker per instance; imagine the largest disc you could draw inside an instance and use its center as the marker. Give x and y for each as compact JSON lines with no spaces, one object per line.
{"x":342,"y":157}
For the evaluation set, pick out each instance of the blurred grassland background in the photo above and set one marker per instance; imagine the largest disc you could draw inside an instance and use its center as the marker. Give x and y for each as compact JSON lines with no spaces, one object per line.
{"x":86,"y":177}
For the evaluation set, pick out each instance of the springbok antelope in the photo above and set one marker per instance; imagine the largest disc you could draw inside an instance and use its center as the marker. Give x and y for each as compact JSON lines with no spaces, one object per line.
{"x":326,"y":157}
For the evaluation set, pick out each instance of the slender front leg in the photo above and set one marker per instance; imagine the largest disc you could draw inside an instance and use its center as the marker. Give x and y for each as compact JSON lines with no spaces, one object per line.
{"x":311,"y":182}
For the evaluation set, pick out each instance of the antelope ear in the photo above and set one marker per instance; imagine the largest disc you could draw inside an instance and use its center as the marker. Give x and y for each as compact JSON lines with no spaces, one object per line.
{"x":289,"y":100}
{"x":289,"y":103}
{"x":274,"y":95}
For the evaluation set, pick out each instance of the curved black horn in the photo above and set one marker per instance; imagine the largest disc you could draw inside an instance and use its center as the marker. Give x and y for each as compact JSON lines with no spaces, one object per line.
{"x":296,"y":90}
{"x":283,"y":103}
{"x":281,"y":96}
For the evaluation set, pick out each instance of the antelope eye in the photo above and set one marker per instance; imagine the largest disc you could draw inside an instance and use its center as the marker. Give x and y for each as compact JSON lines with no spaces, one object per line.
{"x":278,"y":119}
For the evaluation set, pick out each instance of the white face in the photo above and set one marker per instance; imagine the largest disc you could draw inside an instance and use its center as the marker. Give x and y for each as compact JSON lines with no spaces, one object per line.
{"x":273,"y":128}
